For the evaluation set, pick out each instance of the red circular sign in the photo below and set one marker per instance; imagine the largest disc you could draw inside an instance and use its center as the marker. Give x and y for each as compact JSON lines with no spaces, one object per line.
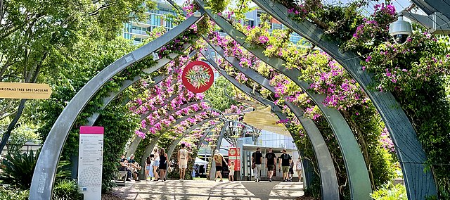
{"x":197,"y":76}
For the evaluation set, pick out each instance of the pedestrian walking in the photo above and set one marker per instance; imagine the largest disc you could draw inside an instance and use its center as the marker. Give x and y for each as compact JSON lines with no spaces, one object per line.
{"x":231,"y":174}
{"x":291,"y":170}
{"x":299,"y":168}
{"x":257,"y":160}
{"x":148,"y":168}
{"x":219,"y":159}
{"x":183,"y":158}
{"x":156,"y":164}
{"x":162,"y":164}
{"x":271,"y":161}
{"x":285,"y":160}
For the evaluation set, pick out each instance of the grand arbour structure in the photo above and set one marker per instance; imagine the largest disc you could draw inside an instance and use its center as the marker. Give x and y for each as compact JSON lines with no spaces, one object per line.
{"x":419,"y":182}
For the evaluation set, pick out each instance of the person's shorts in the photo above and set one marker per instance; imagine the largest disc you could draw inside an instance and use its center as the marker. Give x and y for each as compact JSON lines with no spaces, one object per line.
{"x":183,"y":164}
{"x":156,"y":163}
{"x":291,"y":171}
{"x":218,"y":168}
{"x":148,"y":167}
{"x":163,"y":166}
{"x":285,"y":169}
{"x":271,"y":167}
{"x":231,"y":172}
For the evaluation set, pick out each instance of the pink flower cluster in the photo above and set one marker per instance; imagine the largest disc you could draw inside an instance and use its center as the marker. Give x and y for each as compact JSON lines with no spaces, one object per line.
{"x":263,"y":39}
{"x":241,"y":77}
{"x":234,"y":109}
{"x":386,"y":141}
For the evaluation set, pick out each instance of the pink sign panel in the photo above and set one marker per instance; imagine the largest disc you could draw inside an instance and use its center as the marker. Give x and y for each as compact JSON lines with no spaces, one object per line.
{"x":92,"y":130}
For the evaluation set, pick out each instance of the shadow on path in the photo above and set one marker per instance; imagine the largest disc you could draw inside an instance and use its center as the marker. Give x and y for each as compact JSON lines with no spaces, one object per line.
{"x":208,"y":190}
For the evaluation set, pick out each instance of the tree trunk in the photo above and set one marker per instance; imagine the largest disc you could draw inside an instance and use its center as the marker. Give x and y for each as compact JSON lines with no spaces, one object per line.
{"x":12,"y":125}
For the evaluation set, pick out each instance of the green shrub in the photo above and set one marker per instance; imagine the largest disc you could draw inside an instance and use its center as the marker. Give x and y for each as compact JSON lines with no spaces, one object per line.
{"x":13,"y":194}
{"x":390,"y":191}
{"x":18,"y":169}
{"x":119,"y":126}
{"x":66,"y":190}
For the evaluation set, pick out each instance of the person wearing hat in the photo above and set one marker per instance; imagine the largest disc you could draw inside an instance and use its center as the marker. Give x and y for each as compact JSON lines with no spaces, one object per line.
{"x":219,"y":159}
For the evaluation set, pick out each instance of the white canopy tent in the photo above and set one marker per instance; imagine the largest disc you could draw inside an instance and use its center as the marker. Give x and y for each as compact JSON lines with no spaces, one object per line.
{"x":264,"y":119}
{"x":199,"y":161}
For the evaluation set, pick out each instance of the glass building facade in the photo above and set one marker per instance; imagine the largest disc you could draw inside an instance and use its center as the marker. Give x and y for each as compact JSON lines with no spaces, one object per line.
{"x":161,"y":17}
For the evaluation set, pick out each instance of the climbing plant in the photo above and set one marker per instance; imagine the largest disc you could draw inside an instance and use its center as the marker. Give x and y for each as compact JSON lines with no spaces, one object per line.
{"x":401,"y":69}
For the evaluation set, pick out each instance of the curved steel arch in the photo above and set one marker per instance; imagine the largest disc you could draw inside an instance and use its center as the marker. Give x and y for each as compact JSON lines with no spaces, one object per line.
{"x":277,"y":110}
{"x":205,"y":135}
{"x":134,"y":144}
{"x":329,"y":183}
{"x":178,"y":121}
{"x":44,"y":173}
{"x":199,"y":142}
{"x":125,"y":84}
{"x":137,"y":140}
{"x":176,"y":141}
{"x":419,"y":182}
{"x":357,"y":173}
{"x":152,"y":144}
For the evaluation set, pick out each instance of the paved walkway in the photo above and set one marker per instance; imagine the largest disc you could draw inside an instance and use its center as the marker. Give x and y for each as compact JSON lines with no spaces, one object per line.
{"x":210,"y":190}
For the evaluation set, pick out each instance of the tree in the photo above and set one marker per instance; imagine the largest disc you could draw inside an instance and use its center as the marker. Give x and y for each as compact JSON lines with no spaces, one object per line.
{"x":218,"y":94}
{"x":35,"y":32}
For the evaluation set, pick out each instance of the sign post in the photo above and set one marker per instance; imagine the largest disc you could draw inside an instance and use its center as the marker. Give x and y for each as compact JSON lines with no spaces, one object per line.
{"x":24,"y":90}
{"x":90,"y":161}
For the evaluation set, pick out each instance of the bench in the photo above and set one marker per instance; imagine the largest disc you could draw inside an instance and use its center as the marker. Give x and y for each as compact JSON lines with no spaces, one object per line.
{"x":121,"y":178}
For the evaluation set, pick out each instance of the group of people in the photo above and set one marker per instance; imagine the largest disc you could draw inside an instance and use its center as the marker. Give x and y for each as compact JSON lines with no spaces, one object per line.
{"x":131,"y":166}
{"x":285,"y":163}
{"x":156,"y":165}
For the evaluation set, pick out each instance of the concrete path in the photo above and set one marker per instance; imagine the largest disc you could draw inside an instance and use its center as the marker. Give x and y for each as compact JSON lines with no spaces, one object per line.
{"x":209,"y":190}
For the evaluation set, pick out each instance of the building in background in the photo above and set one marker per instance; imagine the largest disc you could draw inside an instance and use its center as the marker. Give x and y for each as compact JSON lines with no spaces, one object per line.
{"x":137,"y":31}
{"x":253,"y":19}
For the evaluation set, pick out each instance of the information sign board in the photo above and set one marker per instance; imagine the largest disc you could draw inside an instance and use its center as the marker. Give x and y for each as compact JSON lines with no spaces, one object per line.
{"x":235,"y":156}
{"x":90,"y":161}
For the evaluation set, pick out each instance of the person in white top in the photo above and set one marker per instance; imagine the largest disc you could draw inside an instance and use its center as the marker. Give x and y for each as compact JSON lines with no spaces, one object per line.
{"x":156,"y":164}
{"x":299,"y":168}
{"x":183,"y":156}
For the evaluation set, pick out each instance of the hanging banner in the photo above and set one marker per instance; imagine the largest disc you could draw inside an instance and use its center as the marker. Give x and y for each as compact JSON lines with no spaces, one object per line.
{"x":235,"y":156}
{"x":90,"y":161}
{"x":197,"y":76}
{"x":24,"y":90}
